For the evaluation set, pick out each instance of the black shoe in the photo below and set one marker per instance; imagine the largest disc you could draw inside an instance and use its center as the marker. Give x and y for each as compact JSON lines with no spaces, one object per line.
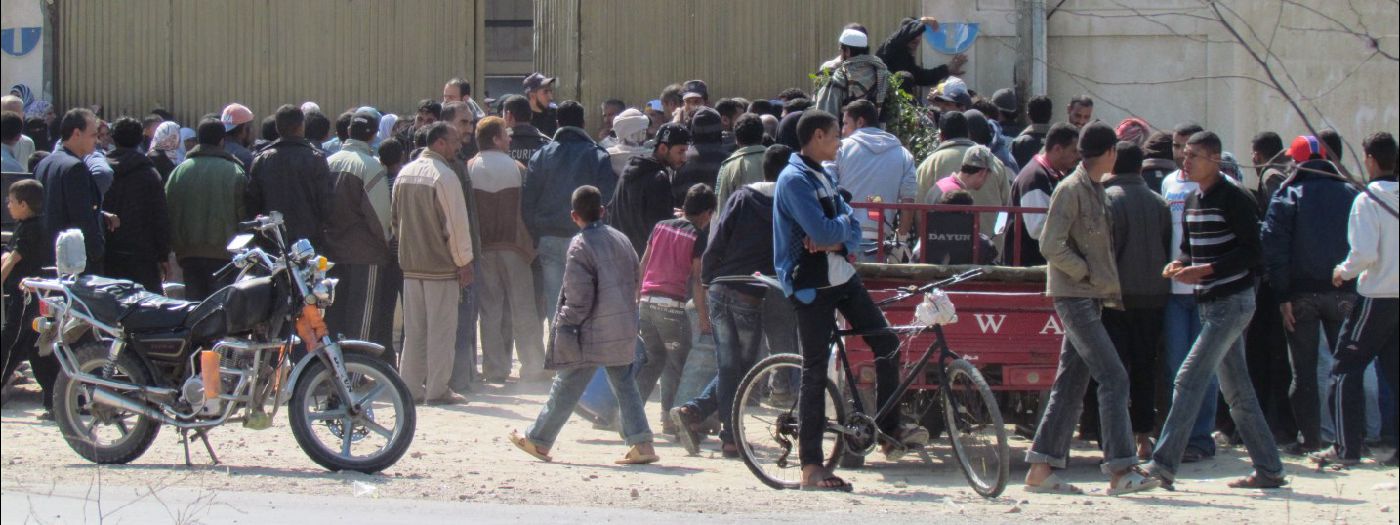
{"x":1299,"y":449}
{"x":684,"y":421}
{"x":1194,"y":455}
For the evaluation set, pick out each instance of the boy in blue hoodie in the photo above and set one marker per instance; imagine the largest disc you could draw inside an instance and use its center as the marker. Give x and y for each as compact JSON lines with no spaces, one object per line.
{"x":815,"y":235}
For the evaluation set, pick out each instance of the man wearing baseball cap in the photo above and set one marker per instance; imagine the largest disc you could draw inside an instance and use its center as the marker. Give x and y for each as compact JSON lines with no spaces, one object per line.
{"x":540,"y":90}
{"x":644,"y":191}
{"x":977,"y":164}
{"x":236,"y":119}
{"x":951,"y":95}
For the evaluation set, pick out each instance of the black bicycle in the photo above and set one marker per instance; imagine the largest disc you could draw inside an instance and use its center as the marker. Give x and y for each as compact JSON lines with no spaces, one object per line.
{"x":765,"y":415}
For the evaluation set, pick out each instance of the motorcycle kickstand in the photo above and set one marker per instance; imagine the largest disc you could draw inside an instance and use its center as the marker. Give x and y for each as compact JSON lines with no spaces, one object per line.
{"x":203,"y":435}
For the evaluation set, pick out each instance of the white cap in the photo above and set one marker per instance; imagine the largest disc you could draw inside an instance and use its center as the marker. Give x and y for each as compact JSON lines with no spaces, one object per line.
{"x":854,"y":38}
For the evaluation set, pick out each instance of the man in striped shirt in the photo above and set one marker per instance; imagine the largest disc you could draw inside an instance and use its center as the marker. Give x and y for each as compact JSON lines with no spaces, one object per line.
{"x":1220,"y":251}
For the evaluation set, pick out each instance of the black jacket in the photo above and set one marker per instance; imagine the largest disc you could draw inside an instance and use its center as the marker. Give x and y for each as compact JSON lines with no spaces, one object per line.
{"x":137,"y":198}
{"x":525,"y":140}
{"x":1305,"y":231}
{"x":741,"y":238}
{"x":291,"y":177}
{"x":1028,"y":143}
{"x":162,"y":163}
{"x":643,"y":199}
{"x":72,"y":200}
{"x":895,"y":53}
{"x":545,"y":121}
{"x":1154,"y":171}
{"x":702,"y":162}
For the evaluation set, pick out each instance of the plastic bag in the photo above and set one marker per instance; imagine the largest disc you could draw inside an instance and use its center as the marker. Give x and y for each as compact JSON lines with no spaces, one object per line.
{"x":936,"y":308}
{"x":70,"y":252}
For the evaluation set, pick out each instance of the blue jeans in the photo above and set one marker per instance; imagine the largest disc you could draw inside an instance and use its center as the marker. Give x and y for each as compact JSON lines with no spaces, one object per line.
{"x":464,"y":362}
{"x":1087,"y":353}
{"x":1220,"y":348}
{"x":553,"y":251}
{"x":1181,"y":327}
{"x":738,"y":328}
{"x":564,"y":394}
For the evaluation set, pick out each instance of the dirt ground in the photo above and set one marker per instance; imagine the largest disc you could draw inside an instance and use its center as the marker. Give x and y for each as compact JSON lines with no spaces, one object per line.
{"x":462,"y":454}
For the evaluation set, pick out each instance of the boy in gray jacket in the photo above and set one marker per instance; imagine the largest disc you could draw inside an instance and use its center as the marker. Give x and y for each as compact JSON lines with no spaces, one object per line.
{"x":595,"y":325}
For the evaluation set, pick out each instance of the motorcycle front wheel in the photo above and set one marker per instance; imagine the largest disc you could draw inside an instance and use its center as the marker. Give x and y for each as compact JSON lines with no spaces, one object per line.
{"x":368,"y":442}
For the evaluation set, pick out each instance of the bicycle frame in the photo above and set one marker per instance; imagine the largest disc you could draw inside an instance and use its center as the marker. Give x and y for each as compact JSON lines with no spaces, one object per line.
{"x":939,"y":345}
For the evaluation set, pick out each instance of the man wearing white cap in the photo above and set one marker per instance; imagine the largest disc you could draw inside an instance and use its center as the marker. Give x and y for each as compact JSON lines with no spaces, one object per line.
{"x":859,"y":76}
{"x":630,"y":128}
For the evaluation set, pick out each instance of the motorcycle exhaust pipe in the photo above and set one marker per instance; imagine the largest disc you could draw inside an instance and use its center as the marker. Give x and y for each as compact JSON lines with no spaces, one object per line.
{"x":111,"y":399}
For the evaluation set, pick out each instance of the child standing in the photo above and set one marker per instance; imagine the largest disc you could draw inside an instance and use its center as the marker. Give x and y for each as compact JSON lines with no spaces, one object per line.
{"x":595,"y":325}
{"x":670,"y":277}
{"x":26,"y":255}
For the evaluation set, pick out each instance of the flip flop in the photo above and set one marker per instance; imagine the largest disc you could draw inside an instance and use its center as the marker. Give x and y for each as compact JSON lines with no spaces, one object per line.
{"x":522,"y":443}
{"x":842,"y":486}
{"x":635,"y":457}
{"x":1052,"y":484}
{"x":1134,"y":481}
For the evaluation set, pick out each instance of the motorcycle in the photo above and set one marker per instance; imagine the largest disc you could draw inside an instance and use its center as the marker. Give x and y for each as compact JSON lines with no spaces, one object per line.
{"x":134,"y":361}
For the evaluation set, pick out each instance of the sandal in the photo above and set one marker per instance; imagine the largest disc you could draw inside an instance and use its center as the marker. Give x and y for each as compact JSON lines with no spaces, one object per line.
{"x":1257,"y":481}
{"x":1136,"y":480}
{"x":830,"y":483}
{"x":635,"y":457}
{"x":522,"y":443}
{"x":1052,"y":484}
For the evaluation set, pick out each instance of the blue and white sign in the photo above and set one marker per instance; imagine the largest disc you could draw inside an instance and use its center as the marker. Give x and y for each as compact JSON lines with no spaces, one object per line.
{"x":951,"y":38}
{"x":19,"y":41}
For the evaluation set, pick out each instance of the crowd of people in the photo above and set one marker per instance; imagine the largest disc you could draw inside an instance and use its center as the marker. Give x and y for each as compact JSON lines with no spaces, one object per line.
{"x":573,"y":248}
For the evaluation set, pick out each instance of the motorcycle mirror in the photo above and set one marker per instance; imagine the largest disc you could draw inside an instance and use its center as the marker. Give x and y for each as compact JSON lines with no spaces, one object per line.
{"x":239,"y":242}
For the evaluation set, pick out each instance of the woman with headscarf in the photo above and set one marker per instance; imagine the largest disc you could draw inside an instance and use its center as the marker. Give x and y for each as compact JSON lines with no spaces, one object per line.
{"x":25,"y":94}
{"x":166,"y":149}
{"x":386,"y":128}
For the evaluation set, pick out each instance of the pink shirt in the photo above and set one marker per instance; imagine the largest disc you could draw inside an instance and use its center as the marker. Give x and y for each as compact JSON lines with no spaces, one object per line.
{"x":674,"y":244}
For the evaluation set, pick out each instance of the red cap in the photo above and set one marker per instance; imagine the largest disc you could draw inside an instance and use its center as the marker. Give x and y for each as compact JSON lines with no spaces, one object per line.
{"x":1306,"y":147}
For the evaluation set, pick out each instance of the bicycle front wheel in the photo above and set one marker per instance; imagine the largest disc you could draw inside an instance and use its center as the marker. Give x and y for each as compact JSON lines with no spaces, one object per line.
{"x":765,"y":422}
{"x":976,"y":429}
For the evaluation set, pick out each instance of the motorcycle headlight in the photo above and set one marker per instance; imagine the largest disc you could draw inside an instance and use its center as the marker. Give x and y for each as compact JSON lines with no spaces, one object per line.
{"x":325,"y":291}
{"x":302,"y":250}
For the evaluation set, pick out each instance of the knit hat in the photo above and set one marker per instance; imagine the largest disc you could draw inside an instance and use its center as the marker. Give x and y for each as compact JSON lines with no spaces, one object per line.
{"x":979,"y":156}
{"x":1005,"y":100}
{"x":854,"y":38}
{"x":978,"y":129}
{"x":672,"y":133}
{"x":1096,"y":139}
{"x":1158,"y":146}
{"x":705,"y":122}
{"x":1306,"y":147}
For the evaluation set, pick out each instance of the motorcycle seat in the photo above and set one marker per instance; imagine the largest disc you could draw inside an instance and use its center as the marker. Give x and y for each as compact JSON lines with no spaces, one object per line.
{"x":126,"y":304}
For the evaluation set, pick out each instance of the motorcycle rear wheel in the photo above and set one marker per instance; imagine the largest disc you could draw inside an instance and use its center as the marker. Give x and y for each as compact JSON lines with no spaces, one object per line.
{"x":98,"y":433}
{"x":329,"y":435}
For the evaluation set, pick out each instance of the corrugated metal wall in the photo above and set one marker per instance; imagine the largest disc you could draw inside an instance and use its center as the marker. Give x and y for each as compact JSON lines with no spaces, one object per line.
{"x":193,"y":57}
{"x":630,"y":49}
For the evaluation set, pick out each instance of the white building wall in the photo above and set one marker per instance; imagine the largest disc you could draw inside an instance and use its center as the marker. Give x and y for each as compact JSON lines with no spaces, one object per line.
{"x":1132,"y":55}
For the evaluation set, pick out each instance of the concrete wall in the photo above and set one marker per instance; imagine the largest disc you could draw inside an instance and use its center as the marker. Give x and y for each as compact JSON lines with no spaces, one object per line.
{"x":1159,"y":61}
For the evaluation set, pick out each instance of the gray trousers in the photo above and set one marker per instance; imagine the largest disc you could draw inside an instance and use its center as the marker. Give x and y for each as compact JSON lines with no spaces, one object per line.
{"x":1087,"y":353}
{"x":507,"y":297}
{"x":429,"y":336}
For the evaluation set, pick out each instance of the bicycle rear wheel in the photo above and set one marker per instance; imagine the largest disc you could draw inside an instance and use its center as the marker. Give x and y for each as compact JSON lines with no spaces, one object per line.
{"x":976,"y":429}
{"x":765,"y":422}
